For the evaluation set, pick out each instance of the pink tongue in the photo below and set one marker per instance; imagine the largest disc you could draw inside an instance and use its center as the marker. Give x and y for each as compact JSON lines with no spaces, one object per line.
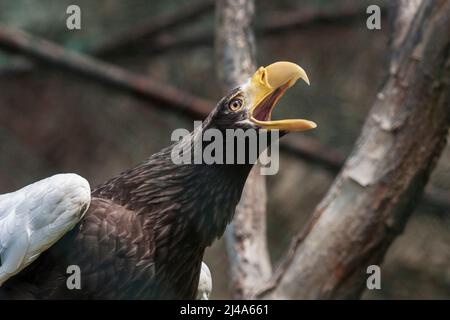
{"x":262,"y":113}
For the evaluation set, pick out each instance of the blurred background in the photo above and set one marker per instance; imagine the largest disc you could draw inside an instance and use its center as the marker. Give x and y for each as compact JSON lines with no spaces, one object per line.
{"x":53,"y":121}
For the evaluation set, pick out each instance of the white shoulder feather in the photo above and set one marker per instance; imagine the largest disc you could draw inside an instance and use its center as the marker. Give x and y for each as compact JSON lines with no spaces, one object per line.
{"x":36,"y":216}
{"x":204,"y":283}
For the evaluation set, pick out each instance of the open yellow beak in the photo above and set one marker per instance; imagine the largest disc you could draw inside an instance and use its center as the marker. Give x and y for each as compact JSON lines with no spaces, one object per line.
{"x":266,"y":87}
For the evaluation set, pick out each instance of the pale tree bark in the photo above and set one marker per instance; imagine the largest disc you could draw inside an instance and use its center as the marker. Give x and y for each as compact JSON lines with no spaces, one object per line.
{"x":403,"y":14}
{"x":246,"y":236}
{"x":375,"y":192}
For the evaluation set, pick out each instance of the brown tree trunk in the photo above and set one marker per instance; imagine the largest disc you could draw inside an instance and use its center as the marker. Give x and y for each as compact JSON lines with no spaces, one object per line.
{"x":246,"y":236}
{"x":374,"y":194}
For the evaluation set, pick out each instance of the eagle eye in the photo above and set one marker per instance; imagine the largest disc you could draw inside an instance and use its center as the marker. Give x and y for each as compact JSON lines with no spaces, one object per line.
{"x":235,"y":104}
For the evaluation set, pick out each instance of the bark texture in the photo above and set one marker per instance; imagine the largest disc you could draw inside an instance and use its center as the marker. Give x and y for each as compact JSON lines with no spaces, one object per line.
{"x":374,"y":194}
{"x":246,"y":236}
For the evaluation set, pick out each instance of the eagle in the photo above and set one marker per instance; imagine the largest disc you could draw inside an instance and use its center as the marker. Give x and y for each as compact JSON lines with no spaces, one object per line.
{"x":143,"y":233}
{"x":33,"y":218}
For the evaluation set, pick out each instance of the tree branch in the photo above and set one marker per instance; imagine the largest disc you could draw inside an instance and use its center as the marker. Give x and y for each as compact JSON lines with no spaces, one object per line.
{"x":137,"y":37}
{"x":374,"y":194}
{"x":271,"y":26}
{"x":246,"y":236}
{"x":133,"y":38}
{"x":404,"y":11}
{"x":311,"y":150}
{"x":144,"y":87}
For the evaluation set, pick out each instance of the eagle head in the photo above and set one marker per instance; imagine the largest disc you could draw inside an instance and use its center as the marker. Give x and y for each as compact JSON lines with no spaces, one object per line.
{"x":250,"y":105}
